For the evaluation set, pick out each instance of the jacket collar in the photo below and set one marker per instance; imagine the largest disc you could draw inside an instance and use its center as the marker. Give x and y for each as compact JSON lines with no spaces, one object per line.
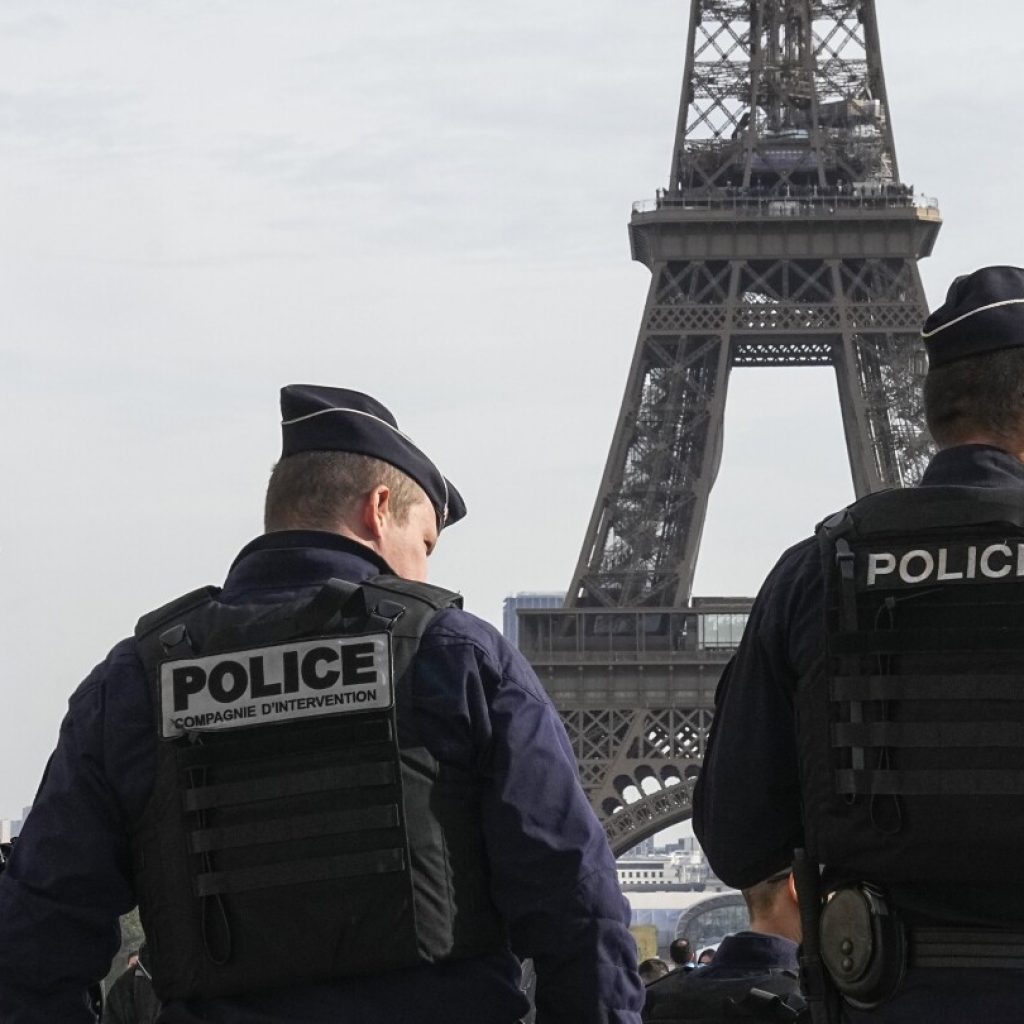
{"x":292,"y":559}
{"x":974,"y":465}
{"x":754,"y":951}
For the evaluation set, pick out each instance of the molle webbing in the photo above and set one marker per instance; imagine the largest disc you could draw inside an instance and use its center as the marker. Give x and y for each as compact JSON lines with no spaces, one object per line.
{"x":280,"y":854}
{"x":929,"y":782}
{"x":243,"y":796}
{"x":201,"y":798}
{"x":949,"y":735}
{"x":891,"y":692}
{"x":935,"y":687}
{"x":916,"y":710}
{"x":333,"y":823}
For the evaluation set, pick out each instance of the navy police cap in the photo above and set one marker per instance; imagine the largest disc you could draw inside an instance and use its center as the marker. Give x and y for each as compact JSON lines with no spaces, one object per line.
{"x":983,"y":312}
{"x":320,"y":419}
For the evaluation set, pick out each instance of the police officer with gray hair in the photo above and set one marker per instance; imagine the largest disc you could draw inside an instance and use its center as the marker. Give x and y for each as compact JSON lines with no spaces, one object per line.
{"x":334,"y":795}
{"x":870,"y":728}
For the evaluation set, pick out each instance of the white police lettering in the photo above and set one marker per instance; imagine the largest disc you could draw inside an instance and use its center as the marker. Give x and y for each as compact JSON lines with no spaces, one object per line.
{"x":927,"y":566}
{"x":986,"y":561}
{"x":880,"y":563}
{"x":284,"y":682}
{"x":944,"y":573}
{"x":949,"y":563}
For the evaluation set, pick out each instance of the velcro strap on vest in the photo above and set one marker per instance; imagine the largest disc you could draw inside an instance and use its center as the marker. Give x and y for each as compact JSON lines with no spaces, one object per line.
{"x":964,"y":947}
{"x":347,"y":865}
{"x":929,"y":782}
{"x":374,"y":773}
{"x":928,"y":734}
{"x":265,"y":832}
{"x":924,"y":687}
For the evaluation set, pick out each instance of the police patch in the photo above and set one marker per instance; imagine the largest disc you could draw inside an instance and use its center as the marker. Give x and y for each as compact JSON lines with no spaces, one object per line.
{"x":281,"y":683}
{"x":941,"y":563}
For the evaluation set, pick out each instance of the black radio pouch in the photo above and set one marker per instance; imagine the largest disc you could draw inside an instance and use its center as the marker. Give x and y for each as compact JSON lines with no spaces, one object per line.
{"x":863,"y":945}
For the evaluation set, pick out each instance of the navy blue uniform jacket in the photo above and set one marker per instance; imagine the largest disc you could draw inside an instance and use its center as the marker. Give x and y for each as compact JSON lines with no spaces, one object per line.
{"x":739,"y":958}
{"x":747,"y":799}
{"x":478,"y":706}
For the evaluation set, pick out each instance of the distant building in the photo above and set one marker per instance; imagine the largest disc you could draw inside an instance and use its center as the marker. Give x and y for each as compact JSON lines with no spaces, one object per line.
{"x":526,"y":599}
{"x":11,"y":827}
{"x":644,"y":846}
{"x":679,"y":869}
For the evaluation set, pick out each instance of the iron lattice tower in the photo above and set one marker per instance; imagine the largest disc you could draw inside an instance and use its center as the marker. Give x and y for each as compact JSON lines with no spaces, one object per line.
{"x":786,"y":237}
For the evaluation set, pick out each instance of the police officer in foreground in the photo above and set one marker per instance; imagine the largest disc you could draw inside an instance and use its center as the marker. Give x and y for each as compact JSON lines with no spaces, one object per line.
{"x":872,"y":720}
{"x":334,"y":795}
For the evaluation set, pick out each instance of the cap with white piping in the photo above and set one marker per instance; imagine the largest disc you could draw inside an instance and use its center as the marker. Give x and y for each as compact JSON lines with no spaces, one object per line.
{"x":316,"y":419}
{"x":983,"y":312}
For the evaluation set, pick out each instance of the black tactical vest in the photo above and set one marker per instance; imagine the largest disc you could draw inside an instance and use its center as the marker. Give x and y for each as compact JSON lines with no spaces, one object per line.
{"x":911,"y":727}
{"x":298,"y":831}
{"x":695,"y":998}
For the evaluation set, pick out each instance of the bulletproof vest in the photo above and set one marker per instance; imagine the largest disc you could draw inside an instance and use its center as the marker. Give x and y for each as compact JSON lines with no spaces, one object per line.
{"x":911,"y":725}
{"x":697,"y":998}
{"x":298,"y":830}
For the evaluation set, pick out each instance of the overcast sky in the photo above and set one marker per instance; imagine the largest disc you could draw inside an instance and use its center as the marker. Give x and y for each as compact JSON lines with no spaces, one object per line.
{"x":202,"y":201}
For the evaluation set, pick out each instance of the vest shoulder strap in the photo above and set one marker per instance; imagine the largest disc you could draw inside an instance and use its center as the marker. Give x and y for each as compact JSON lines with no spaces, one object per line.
{"x":410,"y":606}
{"x":151,"y":631}
{"x":198,"y":620}
{"x":178,"y":608}
{"x":436,"y":598}
{"x":407,"y":607}
{"x":916,"y":509}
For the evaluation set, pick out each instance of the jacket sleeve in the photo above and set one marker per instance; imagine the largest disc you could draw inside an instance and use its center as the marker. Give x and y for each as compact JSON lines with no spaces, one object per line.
{"x":553,"y":874}
{"x":67,"y":880}
{"x":747,"y":798}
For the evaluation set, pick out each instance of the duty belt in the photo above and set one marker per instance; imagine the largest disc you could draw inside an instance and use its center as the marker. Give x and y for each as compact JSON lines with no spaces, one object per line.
{"x":965,"y":947}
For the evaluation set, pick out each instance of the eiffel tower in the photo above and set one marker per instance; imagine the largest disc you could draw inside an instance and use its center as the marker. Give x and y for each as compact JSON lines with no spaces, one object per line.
{"x":785,"y":237}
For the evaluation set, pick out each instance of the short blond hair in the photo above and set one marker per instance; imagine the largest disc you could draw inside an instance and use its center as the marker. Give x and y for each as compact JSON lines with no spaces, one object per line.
{"x":317,"y":490}
{"x":761,"y":898}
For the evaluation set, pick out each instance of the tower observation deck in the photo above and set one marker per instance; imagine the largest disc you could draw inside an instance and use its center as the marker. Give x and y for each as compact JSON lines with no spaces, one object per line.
{"x":785,"y":237}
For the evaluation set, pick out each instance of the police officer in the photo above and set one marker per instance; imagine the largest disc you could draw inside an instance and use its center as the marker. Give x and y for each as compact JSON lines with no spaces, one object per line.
{"x":334,"y":795}
{"x":753,"y":974}
{"x":873,"y":716}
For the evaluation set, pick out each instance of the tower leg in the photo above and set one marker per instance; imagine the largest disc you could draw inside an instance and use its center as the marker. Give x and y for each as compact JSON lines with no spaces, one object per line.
{"x":645,"y":532}
{"x":880,"y":367}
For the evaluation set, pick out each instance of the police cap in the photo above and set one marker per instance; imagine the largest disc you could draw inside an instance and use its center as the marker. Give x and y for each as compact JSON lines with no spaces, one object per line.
{"x":321,"y":419}
{"x":983,"y":312}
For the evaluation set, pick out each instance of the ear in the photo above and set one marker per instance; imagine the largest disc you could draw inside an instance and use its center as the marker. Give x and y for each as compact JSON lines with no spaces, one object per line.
{"x":376,"y":511}
{"x":791,"y":888}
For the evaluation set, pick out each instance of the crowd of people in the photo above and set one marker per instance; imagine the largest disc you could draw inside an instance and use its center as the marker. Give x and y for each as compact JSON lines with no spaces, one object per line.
{"x":337,"y":796}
